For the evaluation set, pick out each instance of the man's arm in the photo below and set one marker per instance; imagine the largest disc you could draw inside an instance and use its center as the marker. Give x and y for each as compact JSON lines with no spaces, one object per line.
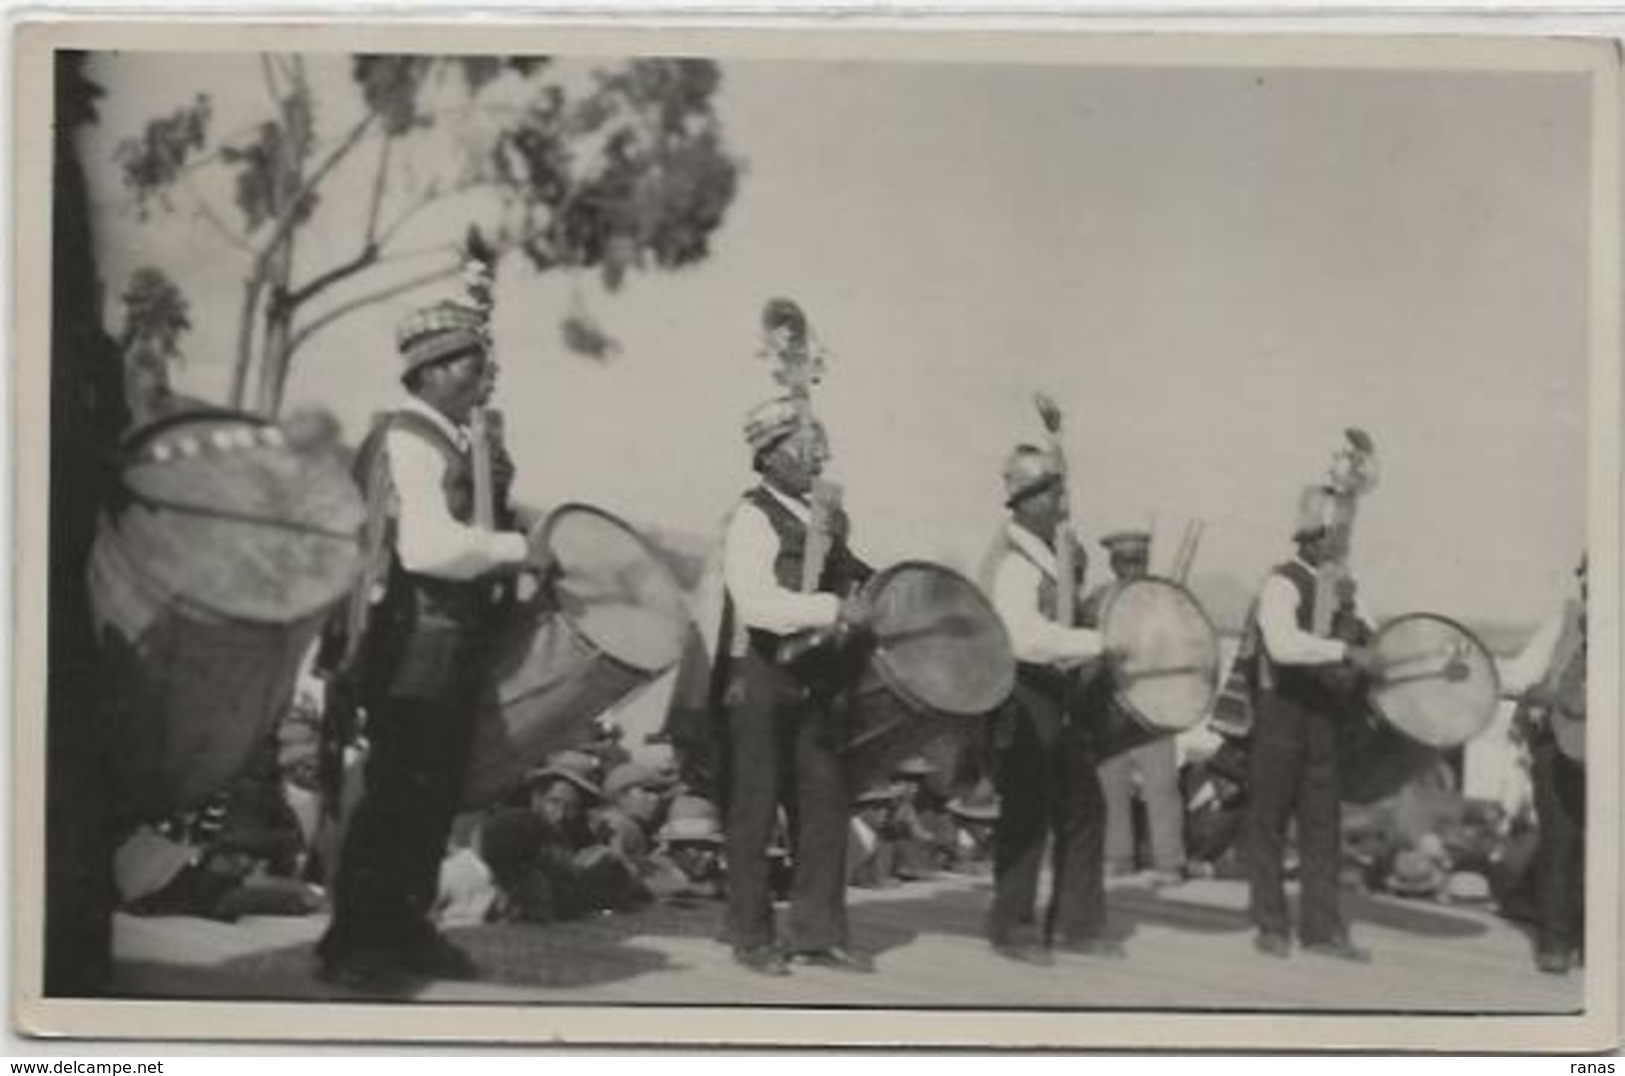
{"x":1287,"y":643}
{"x":749,"y":550}
{"x":1034,"y":637}
{"x":428,"y":540}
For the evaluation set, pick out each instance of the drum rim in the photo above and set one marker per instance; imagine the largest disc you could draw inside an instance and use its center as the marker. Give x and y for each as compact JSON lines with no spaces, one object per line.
{"x":547,"y":526}
{"x":883,"y":667}
{"x":1119,"y":696}
{"x":144,"y":434}
{"x":1484,"y":651}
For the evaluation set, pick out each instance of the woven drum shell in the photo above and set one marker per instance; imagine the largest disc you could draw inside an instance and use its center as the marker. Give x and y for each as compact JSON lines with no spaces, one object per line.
{"x":203,"y":620}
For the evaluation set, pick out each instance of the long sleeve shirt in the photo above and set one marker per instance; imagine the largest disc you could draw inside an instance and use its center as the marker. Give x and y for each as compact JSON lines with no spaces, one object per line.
{"x":428,"y":540}
{"x":750,"y":547}
{"x":1287,"y":643}
{"x":1534,"y":662}
{"x":1035,"y":638}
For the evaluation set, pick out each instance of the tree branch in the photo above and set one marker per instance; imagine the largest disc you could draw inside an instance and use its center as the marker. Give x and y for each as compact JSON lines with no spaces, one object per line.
{"x":210,"y":214}
{"x":378,"y":190}
{"x":269,"y":74}
{"x":245,"y":335}
{"x":320,"y":283}
{"x":290,"y":216}
{"x":348,"y":307}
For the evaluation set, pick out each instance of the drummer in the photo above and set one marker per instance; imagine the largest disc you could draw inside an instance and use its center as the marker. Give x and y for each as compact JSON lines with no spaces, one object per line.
{"x":1155,"y":764}
{"x":1293,"y":764}
{"x":425,"y":631}
{"x":781,"y":728}
{"x":1045,"y":763}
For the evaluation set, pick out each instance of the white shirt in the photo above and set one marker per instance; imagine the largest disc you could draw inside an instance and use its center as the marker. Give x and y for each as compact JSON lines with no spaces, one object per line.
{"x":1287,"y":643}
{"x":1034,"y":637}
{"x":1534,"y":661}
{"x":749,"y":548}
{"x":428,"y":540}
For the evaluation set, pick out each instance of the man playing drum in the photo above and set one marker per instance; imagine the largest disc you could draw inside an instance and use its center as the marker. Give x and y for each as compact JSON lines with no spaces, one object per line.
{"x":1293,"y":763}
{"x":424,"y":643}
{"x":1155,"y":764}
{"x":1044,"y":761}
{"x":1549,"y":677}
{"x":782,"y":720}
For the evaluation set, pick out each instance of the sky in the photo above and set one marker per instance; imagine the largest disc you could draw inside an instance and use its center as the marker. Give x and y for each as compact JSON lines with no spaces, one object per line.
{"x":1214,"y":271}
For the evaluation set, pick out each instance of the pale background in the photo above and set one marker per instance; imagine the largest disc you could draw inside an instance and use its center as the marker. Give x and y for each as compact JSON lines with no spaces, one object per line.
{"x":1214,"y":271}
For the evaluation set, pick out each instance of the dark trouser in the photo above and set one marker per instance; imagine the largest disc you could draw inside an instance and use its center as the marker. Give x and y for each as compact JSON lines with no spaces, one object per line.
{"x":1048,"y":786}
{"x":389,"y":868}
{"x":1560,"y":795}
{"x":1293,"y":771}
{"x":784,"y":750}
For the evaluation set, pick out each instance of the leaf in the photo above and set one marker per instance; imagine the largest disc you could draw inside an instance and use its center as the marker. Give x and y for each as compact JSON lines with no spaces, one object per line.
{"x":156,"y":312}
{"x":153,"y":161}
{"x":390,"y":86}
{"x":584,"y":336}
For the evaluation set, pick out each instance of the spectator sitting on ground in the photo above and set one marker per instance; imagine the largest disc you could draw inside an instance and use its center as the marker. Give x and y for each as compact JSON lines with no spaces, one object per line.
{"x":974,"y":815}
{"x":691,"y":841}
{"x":636,"y":797}
{"x":924,"y":828}
{"x":871,"y":850}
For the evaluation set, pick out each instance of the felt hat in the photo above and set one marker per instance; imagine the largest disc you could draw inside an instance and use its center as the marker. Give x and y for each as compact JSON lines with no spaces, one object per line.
{"x":629,"y":775}
{"x":1128,"y":543}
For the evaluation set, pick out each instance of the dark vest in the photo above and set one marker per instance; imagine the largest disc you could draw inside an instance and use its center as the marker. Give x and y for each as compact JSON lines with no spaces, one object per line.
{"x":842,"y":573}
{"x":1301,"y":684}
{"x":429,"y":628}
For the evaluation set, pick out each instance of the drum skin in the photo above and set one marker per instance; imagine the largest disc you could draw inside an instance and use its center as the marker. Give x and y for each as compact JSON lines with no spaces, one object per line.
{"x":208,"y":584}
{"x":1439,"y":689}
{"x":1164,"y":676}
{"x":610,"y":621}
{"x":937,"y":662}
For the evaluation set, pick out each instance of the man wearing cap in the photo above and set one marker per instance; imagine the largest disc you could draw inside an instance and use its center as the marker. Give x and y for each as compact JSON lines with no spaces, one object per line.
{"x":1155,"y":764}
{"x":424,"y":642}
{"x":1293,"y":764}
{"x":691,"y":842}
{"x":1549,"y":675}
{"x":1044,"y":764}
{"x":781,"y":720}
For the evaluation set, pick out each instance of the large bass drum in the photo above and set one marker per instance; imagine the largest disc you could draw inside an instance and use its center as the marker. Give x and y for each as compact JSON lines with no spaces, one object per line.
{"x":937,"y":663}
{"x":1164,"y":675}
{"x":209,"y":579}
{"x":1437,"y":689}
{"x":611,"y":620}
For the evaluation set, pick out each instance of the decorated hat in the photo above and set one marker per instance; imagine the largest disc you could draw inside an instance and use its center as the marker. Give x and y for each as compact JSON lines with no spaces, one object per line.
{"x":1128,"y":543}
{"x":1315,"y":505}
{"x":876,"y":794}
{"x":772,"y":421}
{"x":1029,"y":470}
{"x":440,"y":332}
{"x":693,"y":819}
{"x":630,"y":775}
